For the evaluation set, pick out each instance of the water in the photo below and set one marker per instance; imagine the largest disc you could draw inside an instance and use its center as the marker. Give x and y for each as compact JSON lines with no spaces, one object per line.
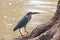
{"x":11,"y":11}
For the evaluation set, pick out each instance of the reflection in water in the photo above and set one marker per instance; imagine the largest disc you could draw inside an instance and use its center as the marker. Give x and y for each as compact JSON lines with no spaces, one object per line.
{"x":40,"y":2}
{"x":34,"y":5}
{"x":5,"y":16}
{"x":13,"y":18}
{"x":10,"y":3}
{"x":34,"y":10}
{"x":13,"y":10}
{"x":45,"y":6}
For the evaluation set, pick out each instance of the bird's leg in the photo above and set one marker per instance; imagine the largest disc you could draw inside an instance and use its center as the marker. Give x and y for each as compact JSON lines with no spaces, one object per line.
{"x":20,"y":32}
{"x":25,"y":29}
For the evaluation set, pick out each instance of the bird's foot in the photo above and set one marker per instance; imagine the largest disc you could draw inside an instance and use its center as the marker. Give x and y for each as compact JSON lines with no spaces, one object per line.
{"x":21,"y":35}
{"x":27,"y":32}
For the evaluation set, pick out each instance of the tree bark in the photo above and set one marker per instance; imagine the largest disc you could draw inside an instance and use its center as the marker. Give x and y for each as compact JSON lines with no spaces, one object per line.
{"x":47,"y":31}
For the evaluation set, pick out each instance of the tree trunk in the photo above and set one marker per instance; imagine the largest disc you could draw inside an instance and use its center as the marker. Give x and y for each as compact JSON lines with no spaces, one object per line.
{"x":47,"y":31}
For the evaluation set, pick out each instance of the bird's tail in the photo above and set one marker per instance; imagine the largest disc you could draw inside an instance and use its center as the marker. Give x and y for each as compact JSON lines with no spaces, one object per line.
{"x":15,"y":28}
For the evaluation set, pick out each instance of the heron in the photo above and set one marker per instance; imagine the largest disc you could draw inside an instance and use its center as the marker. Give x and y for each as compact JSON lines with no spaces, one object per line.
{"x":23,"y":22}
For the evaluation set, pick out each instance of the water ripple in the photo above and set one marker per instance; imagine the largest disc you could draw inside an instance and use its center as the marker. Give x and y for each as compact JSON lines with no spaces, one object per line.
{"x":41,"y":2}
{"x":34,"y":10}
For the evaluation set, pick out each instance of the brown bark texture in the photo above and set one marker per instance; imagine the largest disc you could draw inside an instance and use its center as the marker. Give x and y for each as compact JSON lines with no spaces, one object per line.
{"x":46,"y":31}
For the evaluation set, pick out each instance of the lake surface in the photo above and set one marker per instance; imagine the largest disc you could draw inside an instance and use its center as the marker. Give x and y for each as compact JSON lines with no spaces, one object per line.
{"x":11,"y":11}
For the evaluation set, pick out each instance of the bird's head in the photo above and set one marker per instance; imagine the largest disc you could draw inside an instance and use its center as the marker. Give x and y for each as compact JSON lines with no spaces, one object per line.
{"x":31,"y":13}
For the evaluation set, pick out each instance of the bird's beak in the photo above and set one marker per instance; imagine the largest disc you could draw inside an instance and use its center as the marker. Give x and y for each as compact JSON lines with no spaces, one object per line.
{"x":35,"y":13}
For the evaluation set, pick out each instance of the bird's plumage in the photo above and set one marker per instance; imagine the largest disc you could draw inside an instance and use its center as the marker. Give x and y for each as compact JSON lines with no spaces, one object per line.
{"x":23,"y":22}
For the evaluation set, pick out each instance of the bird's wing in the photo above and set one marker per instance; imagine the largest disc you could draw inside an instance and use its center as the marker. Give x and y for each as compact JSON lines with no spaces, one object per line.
{"x":21,"y":23}
{"x":24,"y":20}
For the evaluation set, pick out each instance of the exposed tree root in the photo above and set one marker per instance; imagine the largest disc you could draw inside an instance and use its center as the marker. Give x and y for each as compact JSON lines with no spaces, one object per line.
{"x":47,"y":31}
